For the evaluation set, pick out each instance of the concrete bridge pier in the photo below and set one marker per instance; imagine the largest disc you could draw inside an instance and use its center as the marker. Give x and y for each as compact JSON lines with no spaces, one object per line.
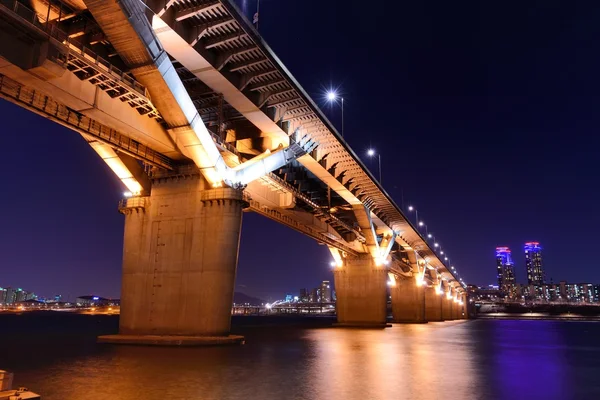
{"x":179,"y":264}
{"x":455,"y":308}
{"x":464,"y":308}
{"x":446,"y":307}
{"x":361,"y":290}
{"x":433,"y":305}
{"x":408,"y":301}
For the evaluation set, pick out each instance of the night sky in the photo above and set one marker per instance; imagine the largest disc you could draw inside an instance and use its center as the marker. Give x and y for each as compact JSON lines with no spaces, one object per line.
{"x":485,"y":114}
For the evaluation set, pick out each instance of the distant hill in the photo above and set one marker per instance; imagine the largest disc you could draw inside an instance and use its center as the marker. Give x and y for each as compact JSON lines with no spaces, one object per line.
{"x":241,"y":298}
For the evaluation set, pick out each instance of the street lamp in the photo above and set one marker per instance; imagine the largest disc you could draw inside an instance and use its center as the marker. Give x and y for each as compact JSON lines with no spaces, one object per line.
{"x":332,"y":96}
{"x":411,"y":208}
{"x":371,"y":153}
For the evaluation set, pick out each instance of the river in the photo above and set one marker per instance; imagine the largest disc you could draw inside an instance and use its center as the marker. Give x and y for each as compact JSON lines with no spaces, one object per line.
{"x":56,"y":355}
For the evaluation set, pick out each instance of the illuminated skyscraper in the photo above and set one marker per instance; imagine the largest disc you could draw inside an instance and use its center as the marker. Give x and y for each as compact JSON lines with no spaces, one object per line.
{"x":533,"y":263}
{"x":506,"y":271}
{"x":325,"y":292}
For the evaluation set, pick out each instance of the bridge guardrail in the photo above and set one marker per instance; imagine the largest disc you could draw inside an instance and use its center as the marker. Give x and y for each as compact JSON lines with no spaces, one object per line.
{"x":75,"y":52}
{"x":42,"y":104}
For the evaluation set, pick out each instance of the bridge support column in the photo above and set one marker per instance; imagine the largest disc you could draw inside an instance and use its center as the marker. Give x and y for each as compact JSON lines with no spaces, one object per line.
{"x":179,"y":264}
{"x":433,"y":305}
{"x":455,"y":309}
{"x":408,"y":301}
{"x":361,"y":290}
{"x":446,"y":307}
{"x":464,"y":309}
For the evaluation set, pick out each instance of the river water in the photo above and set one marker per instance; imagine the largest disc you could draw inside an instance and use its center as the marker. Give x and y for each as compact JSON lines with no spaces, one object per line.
{"x":56,"y":355}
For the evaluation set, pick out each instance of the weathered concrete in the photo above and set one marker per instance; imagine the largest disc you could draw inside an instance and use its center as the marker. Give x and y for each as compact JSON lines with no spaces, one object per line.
{"x":408,"y":301}
{"x":361,"y":289}
{"x":158,"y":340}
{"x":180,"y":259}
{"x":433,"y":305}
{"x":446,"y":308}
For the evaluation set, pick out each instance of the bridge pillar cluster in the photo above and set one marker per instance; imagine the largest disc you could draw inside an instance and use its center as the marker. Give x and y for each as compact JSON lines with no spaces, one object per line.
{"x":361,"y":290}
{"x":408,"y":301}
{"x":179,"y":263}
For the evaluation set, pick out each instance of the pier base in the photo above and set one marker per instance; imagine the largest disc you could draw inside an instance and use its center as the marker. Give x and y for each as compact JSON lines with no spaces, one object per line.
{"x":165,"y":340}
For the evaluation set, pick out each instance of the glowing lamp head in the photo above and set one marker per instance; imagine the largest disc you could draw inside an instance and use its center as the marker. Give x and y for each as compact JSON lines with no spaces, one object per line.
{"x":435,"y":245}
{"x":370,"y":152}
{"x":429,"y":235}
{"x":442,"y":252}
{"x":331,"y":95}
{"x":410,"y":208}
{"x":421,"y":223}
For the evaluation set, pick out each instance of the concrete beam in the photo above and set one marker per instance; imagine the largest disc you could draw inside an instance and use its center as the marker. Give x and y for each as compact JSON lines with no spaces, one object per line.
{"x":190,"y":12}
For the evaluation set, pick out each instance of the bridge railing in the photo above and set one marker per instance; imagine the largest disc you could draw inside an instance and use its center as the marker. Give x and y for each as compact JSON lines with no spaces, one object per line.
{"x":75,"y":53}
{"x":42,"y":104}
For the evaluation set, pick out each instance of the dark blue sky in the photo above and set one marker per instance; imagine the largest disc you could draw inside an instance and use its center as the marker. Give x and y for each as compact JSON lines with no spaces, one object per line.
{"x":484,"y":113}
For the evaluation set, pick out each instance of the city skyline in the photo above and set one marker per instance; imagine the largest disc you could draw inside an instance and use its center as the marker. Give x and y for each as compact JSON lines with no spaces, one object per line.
{"x":72,"y":241}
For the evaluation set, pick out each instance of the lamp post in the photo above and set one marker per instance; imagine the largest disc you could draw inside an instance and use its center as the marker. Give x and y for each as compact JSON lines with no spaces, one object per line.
{"x":372,"y":153}
{"x":411,"y":208}
{"x":332,"y":96}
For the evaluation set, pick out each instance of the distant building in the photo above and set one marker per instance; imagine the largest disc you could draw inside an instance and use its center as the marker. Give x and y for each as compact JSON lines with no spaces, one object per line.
{"x":533,"y":263}
{"x":490,"y":293}
{"x":314,"y":296}
{"x":289,"y":298}
{"x":2,"y":296}
{"x":506,"y":271}
{"x":303,"y":295}
{"x":325,"y":292}
{"x":11,"y":296}
{"x":90,"y":301}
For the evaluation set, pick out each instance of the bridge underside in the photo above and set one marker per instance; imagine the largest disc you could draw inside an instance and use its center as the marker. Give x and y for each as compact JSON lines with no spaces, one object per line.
{"x":200,"y":121}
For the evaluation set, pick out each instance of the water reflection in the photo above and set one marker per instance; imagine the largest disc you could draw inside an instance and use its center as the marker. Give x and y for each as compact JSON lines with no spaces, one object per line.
{"x":450,"y":360}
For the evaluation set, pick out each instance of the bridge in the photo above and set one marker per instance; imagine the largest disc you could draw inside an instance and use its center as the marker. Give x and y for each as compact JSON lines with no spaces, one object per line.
{"x":199,"y":119}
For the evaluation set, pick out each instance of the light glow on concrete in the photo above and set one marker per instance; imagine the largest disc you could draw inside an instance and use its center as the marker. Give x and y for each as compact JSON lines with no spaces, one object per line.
{"x":117,"y":166}
{"x":338,"y":261}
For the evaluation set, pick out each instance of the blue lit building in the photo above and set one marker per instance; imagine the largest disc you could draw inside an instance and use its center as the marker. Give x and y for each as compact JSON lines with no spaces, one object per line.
{"x":506,"y":271}
{"x":533,"y":263}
